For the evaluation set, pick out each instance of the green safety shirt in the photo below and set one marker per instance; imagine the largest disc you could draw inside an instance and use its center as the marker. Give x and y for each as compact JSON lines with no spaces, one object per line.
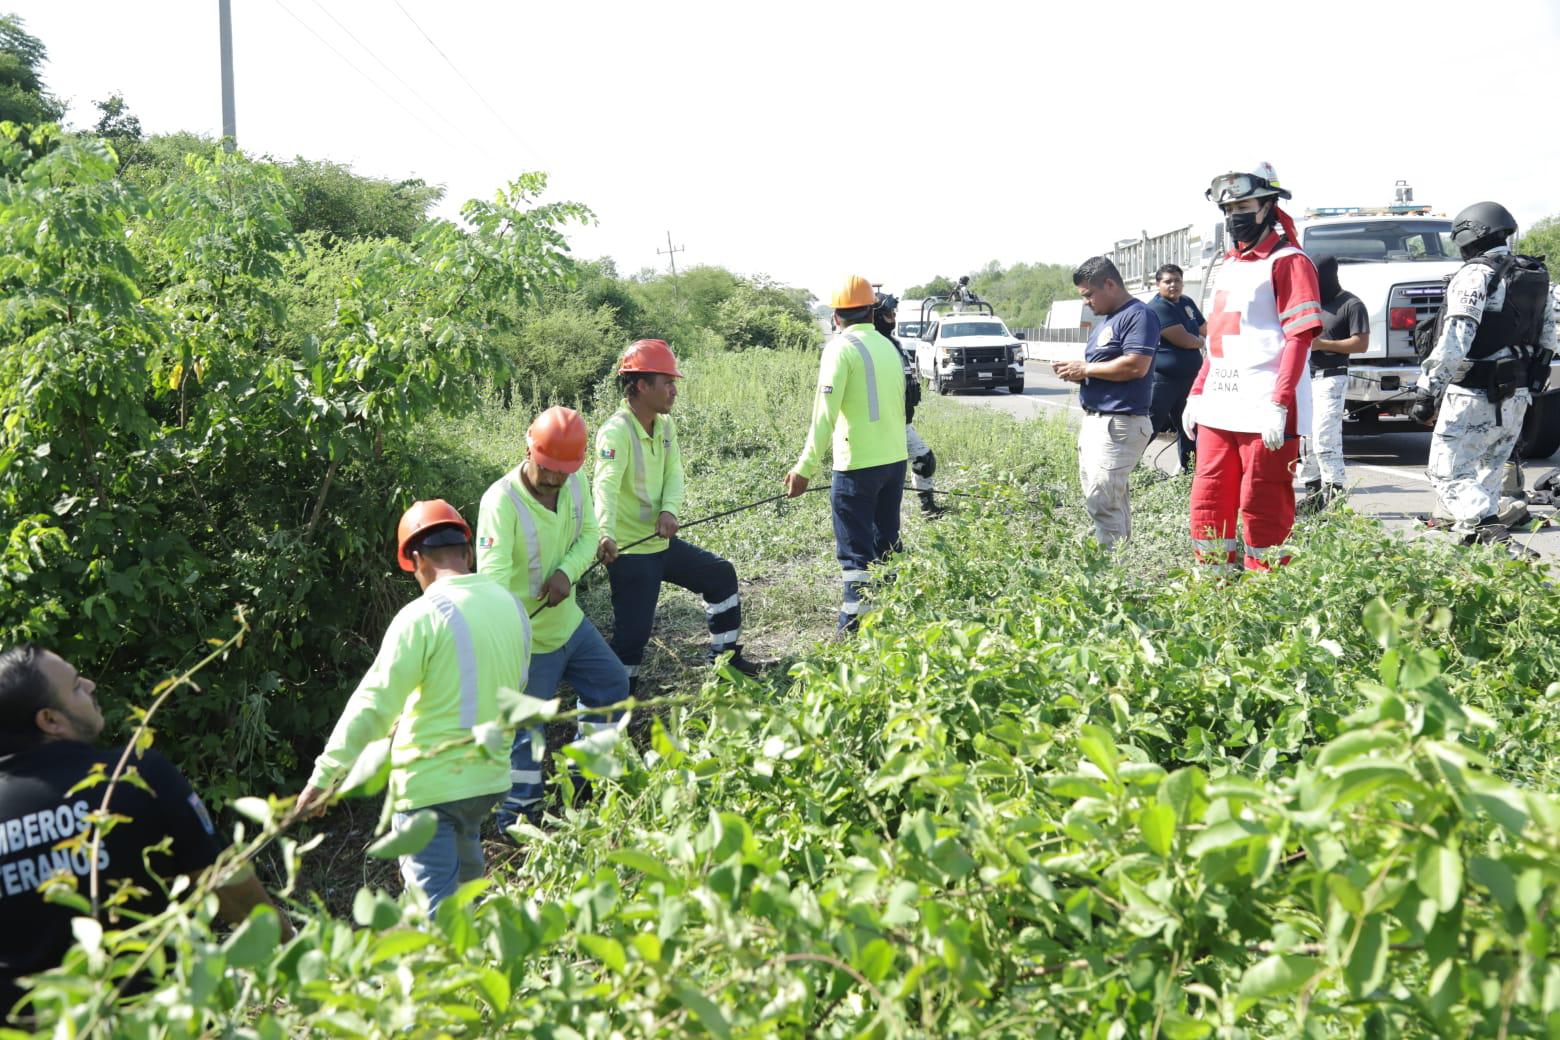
{"x":436,"y":682}
{"x":639,"y":475}
{"x":860,"y":401}
{"x":521,"y":542}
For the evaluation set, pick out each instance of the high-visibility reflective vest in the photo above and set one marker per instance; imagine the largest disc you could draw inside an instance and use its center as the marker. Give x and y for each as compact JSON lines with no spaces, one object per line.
{"x":436,"y":683}
{"x":521,"y":542}
{"x":639,"y":475}
{"x":860,"y":403}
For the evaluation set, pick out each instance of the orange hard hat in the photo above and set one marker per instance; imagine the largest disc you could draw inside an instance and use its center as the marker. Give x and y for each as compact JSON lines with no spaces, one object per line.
{"x":557,"y":439}
{"x":421,"y":518}
{"x":856,"y":292}
{"x":649,"y":355}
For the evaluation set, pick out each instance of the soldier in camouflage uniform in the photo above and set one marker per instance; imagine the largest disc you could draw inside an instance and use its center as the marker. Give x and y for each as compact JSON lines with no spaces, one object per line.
{"x":1493,"y":346}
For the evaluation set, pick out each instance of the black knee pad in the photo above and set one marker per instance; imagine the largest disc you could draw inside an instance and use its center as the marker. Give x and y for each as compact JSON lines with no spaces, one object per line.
{"x":924,"y":465}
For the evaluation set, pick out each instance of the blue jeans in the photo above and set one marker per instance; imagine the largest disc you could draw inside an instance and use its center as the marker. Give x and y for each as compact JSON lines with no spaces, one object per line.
{"x":866,"y":526}
{"x":454,"y":855}
{"x":588,"y":665}
{"x":636,"y":586}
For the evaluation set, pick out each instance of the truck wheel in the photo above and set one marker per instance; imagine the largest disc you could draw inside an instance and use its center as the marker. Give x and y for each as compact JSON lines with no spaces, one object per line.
{"x":938,"y":384}
{"x":1016,"y":388}
{"x":1540,"y":437}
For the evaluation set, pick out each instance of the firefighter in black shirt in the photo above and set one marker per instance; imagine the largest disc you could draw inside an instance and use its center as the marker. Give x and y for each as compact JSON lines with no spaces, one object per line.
{"x":49,"y":718}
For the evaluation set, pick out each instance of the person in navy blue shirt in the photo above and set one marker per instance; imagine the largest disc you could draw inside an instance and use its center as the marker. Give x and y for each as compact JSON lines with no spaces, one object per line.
{"x":1115,"y":389}
{"x":1178,"y":360}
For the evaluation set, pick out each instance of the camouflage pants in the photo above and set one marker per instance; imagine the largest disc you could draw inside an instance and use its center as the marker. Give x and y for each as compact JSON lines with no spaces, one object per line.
{"x":1324,"y":447}
{"x":1469,"y":449}
{"x":916,"y":448}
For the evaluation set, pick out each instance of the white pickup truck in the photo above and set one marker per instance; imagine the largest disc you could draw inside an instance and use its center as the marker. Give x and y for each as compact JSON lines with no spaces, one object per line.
{"x":1397,"y":264}
{"x":968,"y":349}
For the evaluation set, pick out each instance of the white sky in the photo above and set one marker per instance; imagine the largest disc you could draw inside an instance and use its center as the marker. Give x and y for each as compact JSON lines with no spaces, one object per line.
{"x":808,"y":140}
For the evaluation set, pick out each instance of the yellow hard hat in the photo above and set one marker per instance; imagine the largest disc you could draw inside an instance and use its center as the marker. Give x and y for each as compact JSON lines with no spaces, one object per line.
{"x":856,"y":292}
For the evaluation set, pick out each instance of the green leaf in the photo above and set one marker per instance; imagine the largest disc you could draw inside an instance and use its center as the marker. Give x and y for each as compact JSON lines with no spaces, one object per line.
{"x":606,"y":950}
{"x":1368,"y":960}
{"x":370,"y":772}
{"x":1098,"y":743}
{"x":1438,"y":871}
{"x":254,"y":940}
{"x":414,"y":837}
{"x":374,"y":910}
{"x":1158,"y":825}
{"x":255,"y":809}
{"x":710,"y":1016}
{"x":1277,"y":975}
{"x":493,"y":985}
{"x":643,"y":862}
{"x":875,"y":960}
{"x":1380,"y":622}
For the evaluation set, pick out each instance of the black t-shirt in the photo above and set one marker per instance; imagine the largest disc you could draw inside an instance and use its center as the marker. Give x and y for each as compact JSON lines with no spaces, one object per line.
{"x":1171,"y":361}
{"x":36,"y":815}
{"x":1342,"y":316}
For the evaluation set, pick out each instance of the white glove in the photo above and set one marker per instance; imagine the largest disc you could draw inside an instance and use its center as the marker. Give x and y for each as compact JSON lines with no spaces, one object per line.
{"x":1189,"y":417}
{"x":1275,"y":418}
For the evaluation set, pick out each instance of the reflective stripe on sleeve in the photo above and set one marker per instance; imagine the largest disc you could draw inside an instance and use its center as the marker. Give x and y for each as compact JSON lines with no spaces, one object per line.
{"x":465,"y":655}
{"x":866,"y":359}
{"x":533,"y":542}
{"x":579,"y":506}
{"x":1300,"y":308}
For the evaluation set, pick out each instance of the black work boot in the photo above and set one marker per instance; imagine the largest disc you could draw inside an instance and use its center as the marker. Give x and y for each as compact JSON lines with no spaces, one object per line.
{"x":748,"y":668}
{"x":929,"y":504}
{"x":1312,"y":503}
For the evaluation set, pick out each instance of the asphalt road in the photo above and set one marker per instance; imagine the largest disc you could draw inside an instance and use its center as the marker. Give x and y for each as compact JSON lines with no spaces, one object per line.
{"x":1386,"y":471}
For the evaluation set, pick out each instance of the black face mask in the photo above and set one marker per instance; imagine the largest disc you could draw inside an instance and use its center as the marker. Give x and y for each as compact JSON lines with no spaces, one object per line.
{"x":1327,"y":278}
{"x":1245,"y":228}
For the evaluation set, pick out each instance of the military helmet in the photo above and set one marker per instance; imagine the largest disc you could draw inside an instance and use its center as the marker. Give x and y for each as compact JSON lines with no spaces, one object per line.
{"x":1482,"y":225}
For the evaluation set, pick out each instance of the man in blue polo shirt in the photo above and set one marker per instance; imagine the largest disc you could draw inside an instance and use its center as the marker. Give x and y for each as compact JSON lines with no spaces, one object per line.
{"x":1116,"y":384}
{"x":1179,"y":359}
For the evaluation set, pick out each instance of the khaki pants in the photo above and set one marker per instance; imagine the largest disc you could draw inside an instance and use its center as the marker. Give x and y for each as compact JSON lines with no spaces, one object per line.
{"x":1109,"y":447}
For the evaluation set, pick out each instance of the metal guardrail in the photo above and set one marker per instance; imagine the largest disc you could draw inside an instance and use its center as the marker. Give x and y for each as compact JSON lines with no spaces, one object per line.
{"x":1052,"y":335}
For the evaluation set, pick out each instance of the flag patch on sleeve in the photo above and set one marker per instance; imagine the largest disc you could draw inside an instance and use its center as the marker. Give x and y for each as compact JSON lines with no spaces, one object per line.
{"x":485,"y":542}
{"x":609,"y":453}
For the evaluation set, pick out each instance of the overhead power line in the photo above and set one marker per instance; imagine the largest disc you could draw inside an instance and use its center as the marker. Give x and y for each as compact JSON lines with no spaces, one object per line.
{"x":385,"y":65}
{"x":459,"y":139}
{"x":470,"y":86}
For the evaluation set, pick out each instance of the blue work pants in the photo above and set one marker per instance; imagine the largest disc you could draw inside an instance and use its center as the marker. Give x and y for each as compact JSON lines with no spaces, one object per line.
{"x":636,"y":588}
{"x":866,"y":527}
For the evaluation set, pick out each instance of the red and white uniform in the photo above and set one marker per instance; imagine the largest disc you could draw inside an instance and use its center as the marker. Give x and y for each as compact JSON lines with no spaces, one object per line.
{"x":1266,"y":310}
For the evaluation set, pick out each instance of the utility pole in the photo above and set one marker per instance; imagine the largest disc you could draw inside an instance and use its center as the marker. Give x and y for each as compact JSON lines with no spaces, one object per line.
{"x":229,"y":120}
{"x":670,"y":252}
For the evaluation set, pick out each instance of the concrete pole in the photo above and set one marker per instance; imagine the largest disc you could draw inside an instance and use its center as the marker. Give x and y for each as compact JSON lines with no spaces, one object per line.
{"x":229,"y":120}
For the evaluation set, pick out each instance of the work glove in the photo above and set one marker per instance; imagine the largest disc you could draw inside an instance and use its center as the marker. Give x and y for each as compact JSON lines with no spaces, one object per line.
{"x":1422,"y":411}
{"x":1189,"y":416}
{"x":1275,"y":419}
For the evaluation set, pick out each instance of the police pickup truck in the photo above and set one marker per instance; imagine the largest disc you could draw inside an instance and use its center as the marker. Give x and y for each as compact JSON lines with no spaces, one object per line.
{"x":1396,"y":260}
{"x":963,"y":344}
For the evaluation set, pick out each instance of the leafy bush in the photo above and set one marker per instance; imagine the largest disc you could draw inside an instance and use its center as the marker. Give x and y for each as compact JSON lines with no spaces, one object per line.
{"x":200,"y":411}
{"x":1045,"y":792}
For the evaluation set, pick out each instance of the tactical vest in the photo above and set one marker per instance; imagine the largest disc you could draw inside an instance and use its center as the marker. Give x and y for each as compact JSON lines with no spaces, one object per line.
{"x":1518,"y":323}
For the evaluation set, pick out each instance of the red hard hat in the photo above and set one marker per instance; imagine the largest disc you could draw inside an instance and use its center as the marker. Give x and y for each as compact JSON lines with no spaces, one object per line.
{"x":422,"y":517}
{"x":557,"y":440}
{"x":649,"y":355}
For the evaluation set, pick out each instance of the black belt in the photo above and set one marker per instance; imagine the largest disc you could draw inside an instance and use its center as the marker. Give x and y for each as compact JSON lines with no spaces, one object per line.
{"x":1096,"y":411}
{"x":1328,"y":373}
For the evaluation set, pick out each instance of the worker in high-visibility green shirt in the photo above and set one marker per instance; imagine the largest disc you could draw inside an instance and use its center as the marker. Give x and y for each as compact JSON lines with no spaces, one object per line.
{"x":860,"y":406}
{"x":536,"y":534}
{"x":435,"y":691}
{"x":639,"y":491}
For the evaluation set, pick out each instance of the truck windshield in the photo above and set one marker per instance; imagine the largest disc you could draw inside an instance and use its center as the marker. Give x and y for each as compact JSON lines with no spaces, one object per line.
{"x":1383,"y":241}
{"x":911,"y":329}
{"x":958,"y":329}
